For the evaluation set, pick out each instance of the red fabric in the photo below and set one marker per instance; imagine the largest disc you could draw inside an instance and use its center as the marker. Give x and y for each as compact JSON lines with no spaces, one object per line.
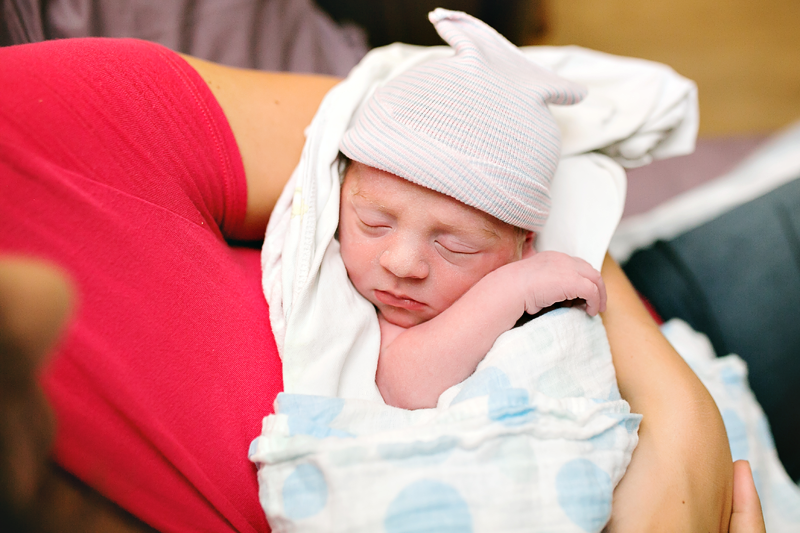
{"x":650,"y":309}
{"x":117,"y":164}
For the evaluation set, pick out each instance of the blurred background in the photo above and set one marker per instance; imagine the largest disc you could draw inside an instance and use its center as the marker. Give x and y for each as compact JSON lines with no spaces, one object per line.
{"x":744,"y":55}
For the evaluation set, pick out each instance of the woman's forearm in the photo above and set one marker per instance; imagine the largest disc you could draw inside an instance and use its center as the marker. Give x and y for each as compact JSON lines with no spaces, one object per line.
{"x":681,"y":475}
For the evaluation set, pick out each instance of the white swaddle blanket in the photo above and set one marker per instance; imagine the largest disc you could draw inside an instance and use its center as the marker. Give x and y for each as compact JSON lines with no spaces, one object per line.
{"x":537,"y":438}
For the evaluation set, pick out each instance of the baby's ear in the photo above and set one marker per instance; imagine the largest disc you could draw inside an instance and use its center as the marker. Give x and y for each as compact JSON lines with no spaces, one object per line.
{"x":527,"y":246}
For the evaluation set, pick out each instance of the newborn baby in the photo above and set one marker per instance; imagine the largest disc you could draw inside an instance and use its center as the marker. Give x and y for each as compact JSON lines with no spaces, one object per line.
{"x":451,"y":164}
{"x":445,"y":186}
{"x":446,"y":279}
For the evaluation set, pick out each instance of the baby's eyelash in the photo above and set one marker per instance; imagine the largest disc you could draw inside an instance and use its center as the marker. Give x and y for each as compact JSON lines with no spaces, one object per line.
{"x":460,"y":252}
{"x":371,"y":227}
{"x":372,"y":224}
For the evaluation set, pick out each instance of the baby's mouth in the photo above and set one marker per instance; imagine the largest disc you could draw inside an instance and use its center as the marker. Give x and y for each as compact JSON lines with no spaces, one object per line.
{"x":398,"y":300}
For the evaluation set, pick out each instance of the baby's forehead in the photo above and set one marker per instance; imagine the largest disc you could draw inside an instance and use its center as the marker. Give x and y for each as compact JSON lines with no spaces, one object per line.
{"x":379,"y":187}
{"x":370,"y":182}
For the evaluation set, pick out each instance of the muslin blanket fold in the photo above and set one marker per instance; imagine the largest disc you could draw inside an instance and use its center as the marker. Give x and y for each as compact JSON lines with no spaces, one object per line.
{"x":537,"y":437}
{"x":516,"y":447}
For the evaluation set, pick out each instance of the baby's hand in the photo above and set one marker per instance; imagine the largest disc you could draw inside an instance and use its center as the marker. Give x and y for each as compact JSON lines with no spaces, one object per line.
{"x":546,"y":278}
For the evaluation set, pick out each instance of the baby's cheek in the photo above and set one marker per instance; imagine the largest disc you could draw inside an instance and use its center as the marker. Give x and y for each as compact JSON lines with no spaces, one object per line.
{"x":453,"y":289}
{"x":357,"y":271}
{"x":455,"y":283}
{"x":349,"y":264}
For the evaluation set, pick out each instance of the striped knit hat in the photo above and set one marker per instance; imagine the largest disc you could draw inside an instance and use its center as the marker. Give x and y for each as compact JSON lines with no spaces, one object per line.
{"x":474,"y":126}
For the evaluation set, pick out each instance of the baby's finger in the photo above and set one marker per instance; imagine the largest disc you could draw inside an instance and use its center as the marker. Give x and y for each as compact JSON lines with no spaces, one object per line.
{"x":592,"y":294}
{"x":592,"y":276}
{"x":601,"y":285}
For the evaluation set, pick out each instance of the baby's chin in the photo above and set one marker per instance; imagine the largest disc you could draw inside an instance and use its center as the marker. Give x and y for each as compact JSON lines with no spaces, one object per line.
{"x":401,"y":318}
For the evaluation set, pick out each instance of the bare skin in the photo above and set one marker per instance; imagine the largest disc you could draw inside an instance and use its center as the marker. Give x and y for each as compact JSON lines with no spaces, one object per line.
{"x":681,"y":476}
{"x":37,"y":496}
{"x":682,"y":440}
{"x":746,"y":516}
{"x":268,"y":113}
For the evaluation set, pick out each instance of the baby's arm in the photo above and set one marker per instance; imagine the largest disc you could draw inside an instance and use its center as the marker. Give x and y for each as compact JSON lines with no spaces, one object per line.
{"x":419,"y":363}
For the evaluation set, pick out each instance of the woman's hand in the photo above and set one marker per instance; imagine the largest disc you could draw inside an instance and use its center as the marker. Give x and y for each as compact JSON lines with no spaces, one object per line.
{"x":746,"y":516}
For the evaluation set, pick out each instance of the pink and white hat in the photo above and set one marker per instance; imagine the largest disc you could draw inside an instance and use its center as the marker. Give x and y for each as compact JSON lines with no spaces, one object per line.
{"x":474,"y":126}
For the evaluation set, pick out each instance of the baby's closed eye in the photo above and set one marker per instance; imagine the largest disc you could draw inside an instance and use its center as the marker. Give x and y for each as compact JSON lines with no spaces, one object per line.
{"x":454,"y":247}
{"x":371,"y":222}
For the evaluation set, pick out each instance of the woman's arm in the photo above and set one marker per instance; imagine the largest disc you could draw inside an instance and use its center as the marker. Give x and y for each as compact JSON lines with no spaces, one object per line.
{"x":681,"y":474}
{"x":680,"y":477}
{"x":268,"y":113}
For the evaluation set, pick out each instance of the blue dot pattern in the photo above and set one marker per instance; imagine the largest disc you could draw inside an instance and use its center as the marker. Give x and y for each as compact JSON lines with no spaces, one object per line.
{"x":483,"y":383}
{"x":605,"y":440}
{"x":511,"y":407}
{"x":428,"y":506}
{"x":508,"y":405}
{"x":487,"y":460}
{"x":630,"y":421}
{"x":764,"y":433}
{"x":737,"y":434}
{"x":733,"y":381}
{"x":584,"y":494}
{"x":311,"y":415}
{"x":305,"y":492}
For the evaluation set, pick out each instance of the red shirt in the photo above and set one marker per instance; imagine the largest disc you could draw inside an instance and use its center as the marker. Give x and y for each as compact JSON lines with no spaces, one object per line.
{"x":117,"y":164}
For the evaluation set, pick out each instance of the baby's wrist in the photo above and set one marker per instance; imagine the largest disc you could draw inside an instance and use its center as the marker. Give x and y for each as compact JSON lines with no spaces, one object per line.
{"x":505,"y":284}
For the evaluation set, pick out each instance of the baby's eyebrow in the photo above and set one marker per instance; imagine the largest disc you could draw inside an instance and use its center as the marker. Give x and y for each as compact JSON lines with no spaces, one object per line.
{"x":489,"y":230}
{"x":356,"y":190}
{"x":372,"y":201}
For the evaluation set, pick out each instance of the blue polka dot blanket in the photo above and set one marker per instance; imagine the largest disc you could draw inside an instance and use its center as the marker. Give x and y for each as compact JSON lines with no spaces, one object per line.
{"x":535,"y":440}
{"x":538,"y":437}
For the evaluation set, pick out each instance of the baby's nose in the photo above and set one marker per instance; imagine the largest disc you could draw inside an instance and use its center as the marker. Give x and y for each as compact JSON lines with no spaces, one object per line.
{"x":404,"y":262}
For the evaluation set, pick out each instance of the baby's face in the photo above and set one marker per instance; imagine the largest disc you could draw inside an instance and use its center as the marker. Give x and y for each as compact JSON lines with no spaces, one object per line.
{"x":412,"y":251}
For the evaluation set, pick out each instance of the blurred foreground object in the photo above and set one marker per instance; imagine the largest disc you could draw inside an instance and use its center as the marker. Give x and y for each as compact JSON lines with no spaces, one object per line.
{"x":35,"y":495}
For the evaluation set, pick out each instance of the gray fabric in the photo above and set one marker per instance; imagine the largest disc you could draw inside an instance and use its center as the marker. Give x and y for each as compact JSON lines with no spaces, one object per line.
{"x":287,"y":35}
{"x":21,"y":22}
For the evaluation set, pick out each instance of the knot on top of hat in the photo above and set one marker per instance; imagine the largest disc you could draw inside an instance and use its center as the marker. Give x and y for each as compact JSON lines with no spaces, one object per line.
{"x":479,"y":44}
{"x":474,"y":126}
